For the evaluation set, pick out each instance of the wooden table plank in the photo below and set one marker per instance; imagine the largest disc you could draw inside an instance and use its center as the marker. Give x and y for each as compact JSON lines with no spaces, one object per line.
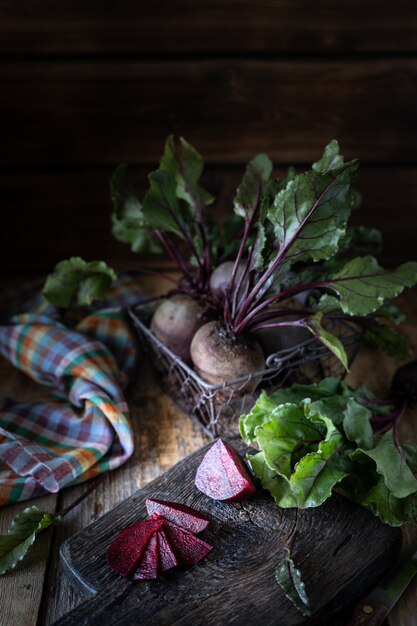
{"x":94,"y":113}
{"x":214,"y":26}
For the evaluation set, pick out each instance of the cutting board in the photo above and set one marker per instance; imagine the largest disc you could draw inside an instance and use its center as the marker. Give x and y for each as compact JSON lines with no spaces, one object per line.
{"x":341,"y":549}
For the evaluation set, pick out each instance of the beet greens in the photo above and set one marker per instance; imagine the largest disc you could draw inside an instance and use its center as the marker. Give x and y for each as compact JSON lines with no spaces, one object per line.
{"x":288,"y":239}
{"x":314,"y":439}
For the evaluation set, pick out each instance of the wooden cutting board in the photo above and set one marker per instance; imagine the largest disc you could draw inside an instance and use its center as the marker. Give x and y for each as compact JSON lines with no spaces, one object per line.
{"x":341,"y":549}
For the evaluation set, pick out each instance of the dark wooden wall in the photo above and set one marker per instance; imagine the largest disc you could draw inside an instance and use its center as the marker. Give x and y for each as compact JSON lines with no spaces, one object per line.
{"x":85,"y":84}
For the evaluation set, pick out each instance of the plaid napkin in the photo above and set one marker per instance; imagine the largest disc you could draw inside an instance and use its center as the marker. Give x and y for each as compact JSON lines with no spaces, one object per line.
{"x":81,"y":427}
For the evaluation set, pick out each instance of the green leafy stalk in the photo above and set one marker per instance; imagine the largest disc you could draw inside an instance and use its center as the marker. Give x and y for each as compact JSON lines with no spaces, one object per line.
{"x":289,"y":579}
{"x":79,"y":282}
{"x":22,"y":534}
{"x":25,"y":527}
{"x":313,"y":439}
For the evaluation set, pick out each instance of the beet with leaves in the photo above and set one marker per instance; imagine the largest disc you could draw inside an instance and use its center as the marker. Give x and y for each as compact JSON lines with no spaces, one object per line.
{"x":285,"y":238}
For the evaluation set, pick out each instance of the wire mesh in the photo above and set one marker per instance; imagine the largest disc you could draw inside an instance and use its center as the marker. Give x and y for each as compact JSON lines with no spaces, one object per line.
{"x":216,"y":408}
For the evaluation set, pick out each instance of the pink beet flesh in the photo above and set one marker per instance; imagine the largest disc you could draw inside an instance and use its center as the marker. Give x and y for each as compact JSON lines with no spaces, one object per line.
{"x":188,"y":548}
{"x":149,"y":563}
{"x":180,"y":514}
{"x":128,"y":547}
{"x":167,"y":558}
{"x":223,"y":475}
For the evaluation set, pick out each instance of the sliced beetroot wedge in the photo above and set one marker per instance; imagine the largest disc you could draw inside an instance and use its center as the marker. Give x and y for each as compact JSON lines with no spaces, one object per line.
{"x":180,"y":514}
{"x":223,"y":475}
{"x":188,"y":548}
{"x":148,"y":568}
{"x":167,"y":557}
{"x":128,"y":547}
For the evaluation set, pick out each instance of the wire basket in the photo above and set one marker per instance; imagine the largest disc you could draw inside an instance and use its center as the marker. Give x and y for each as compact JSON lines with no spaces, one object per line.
{"x":216,"y":408}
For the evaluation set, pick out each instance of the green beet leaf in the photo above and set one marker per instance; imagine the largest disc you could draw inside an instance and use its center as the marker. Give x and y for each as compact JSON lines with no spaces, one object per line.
{"x":186,"y":166}
{"x":314,"y":325}
{"x":390,"y":509}
{"x":382,"y":336}
{"x":250,"y":192}
{"x":128,"y":222}
{"x":277,"y":485}
{"x":357,"y":425}
{"x":333,"y":408}
{"x":310,"y":214}
{"x":260,"y":413}
{"x":289,"y":579}
{"x":361,"y":240}
{"x":78,"y":281}
{"x":161,"y":207}
{"x":363,"y":284}
{"x":21,"y":535}
{"x":331,"y":159}
{"x":392,"y":464}
{"x":326,"y":388}
{"x":318,"y":472}
{"x":288,"y":437}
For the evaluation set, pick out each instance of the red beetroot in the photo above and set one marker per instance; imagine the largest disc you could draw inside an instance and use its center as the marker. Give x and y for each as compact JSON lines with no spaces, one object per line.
{"x":149,"y":564}
{"x":223,"y":475}
{"x":128,"y":547}
{"x":167,"y":558}
{"x":180,"y":514}
{"x":175,"y":322}
{"x":188,"y":548}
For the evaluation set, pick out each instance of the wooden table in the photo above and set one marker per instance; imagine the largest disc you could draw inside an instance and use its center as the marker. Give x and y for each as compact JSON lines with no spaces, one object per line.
{"x":37,"y":592}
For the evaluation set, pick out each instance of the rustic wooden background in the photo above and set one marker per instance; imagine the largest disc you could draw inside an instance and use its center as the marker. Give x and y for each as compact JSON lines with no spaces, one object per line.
{"x":86,"y":85}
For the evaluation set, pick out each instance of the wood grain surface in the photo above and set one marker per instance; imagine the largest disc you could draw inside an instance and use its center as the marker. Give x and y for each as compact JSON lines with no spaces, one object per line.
{"x":87,"y":112}
{"x":340,"y":549}
{"x":234,"y":26}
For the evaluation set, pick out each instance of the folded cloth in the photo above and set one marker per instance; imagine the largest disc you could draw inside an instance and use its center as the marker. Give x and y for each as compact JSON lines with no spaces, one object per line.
{"x":82,"y":427}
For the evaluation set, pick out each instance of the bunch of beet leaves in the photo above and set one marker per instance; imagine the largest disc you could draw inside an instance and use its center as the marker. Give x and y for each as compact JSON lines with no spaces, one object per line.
{"x":284,"y":260}
{"x":313,"y":439}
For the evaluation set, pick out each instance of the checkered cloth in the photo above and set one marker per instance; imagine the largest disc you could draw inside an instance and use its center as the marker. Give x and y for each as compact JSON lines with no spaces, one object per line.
{"x":81,"y":427}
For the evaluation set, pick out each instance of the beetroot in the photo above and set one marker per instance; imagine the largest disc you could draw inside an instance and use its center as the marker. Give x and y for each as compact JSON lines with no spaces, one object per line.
{"x":128,"y":547}
{"x":149,"y":564}
{"x":188,"y":548}
{"x":180,"y":514}
{"x":175,"y":322}
{"x":167,"y":558}
{"x":223,"y":475}
{"x":220,"y":357}
{"x":220,"y":279}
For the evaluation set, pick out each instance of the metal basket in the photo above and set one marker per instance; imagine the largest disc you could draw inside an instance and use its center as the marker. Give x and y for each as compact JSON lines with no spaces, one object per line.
{"x":217,"y":408}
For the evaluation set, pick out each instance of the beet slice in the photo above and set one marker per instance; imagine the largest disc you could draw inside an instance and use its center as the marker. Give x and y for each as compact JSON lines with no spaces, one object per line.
{"x":128,"y":547}
{"x":149,"y":564}
{"x":223,"y":475}
{"x":188,"y":548}
{"x":167,"y":558}
{"x":180,"y":514}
